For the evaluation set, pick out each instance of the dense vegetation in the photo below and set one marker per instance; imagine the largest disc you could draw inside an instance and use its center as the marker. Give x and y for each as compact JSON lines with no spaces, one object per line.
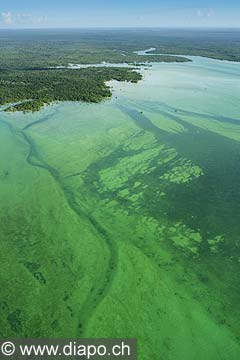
{"x":45,"y":48}
{"x":29,"y":73}
{"x":41,"y":87}
{"x":27,"y":56}
{"x":31,"y":48}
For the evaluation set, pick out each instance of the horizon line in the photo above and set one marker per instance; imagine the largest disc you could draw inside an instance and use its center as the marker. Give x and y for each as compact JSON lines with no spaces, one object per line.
{"x":120,"y":27}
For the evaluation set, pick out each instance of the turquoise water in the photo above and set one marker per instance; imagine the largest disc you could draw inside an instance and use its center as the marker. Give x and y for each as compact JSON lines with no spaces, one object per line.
{"x":146,"y":187}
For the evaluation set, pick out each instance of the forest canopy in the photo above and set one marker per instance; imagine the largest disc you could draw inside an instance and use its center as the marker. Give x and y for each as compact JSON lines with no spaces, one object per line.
{"x":40,"y":87}
{"x":29,"y":60}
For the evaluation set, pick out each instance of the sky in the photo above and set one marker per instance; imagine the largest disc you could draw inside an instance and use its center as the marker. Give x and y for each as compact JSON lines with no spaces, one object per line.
{"x":119,"y":13}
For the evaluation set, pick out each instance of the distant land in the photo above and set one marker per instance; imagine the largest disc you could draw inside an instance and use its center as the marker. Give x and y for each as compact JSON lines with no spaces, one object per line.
{"x":30,"y":58}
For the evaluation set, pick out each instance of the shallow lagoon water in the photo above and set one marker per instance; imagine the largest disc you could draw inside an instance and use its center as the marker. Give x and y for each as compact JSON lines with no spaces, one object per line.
{"x":121,"y":219}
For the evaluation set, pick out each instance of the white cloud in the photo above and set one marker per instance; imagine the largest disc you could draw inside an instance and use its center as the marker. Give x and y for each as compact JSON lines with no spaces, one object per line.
{"x":203,"y":13}
{"x":22,"y":19}
{"x":42,"y":19}
{"x":29,"y":19}
{"x":6,"y":18}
